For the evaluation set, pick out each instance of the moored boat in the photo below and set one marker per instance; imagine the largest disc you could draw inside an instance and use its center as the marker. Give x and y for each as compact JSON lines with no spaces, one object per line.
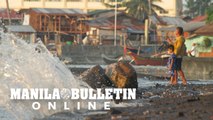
{"x":152,"y":61}
{"x":109,"y":60}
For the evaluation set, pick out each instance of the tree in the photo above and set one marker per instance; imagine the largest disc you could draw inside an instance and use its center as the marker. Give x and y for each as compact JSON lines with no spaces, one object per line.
{"x":196,"y":7}
{"x":191,"y":8}
{"x":139,"y":9}
{"x":202,"y":5}
{"x":209,"y":13}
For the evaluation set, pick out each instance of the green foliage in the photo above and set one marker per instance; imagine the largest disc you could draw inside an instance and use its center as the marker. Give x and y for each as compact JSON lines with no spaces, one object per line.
{"x":196,"y":7}
{"x":209,"y":13}
{"x":190,"y":8}
{"x":138,"y":8}
{"x":207,"y":42}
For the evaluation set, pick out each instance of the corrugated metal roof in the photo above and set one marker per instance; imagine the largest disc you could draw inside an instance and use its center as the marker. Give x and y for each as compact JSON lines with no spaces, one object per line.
{"x":205,"y":30}
{"x":199,"y":18}
{"x":99,"y":23}
{"x":58,"y":11}
{"x":188,"y":27}
{"x":173,"y":21}
{"x":191,"y":26}
{"x":21,"y":28}
{"x":167,"y":20}
{"x":105,"y":20}
{"x":132,"y":30}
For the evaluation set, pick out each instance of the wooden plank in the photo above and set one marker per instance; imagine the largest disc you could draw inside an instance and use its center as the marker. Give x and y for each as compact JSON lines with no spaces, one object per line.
{"x":40,"y":28}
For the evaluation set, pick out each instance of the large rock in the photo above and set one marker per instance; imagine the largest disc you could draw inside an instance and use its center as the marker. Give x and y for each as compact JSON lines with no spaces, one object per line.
{"x":122,"y":74}
{"x":95,"y":77}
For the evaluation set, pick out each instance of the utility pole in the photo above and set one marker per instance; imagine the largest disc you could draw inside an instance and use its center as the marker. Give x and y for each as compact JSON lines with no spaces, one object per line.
{"x":115,"y":27}
{"x":8,"y":12}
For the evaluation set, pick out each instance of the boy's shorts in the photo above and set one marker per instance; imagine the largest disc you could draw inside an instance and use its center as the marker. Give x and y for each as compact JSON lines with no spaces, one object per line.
{"x":178,"y":63}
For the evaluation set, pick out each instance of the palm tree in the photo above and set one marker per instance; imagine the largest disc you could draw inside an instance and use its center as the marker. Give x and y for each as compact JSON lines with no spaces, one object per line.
{"x":139,"y":9}
{"x":191,"y":8}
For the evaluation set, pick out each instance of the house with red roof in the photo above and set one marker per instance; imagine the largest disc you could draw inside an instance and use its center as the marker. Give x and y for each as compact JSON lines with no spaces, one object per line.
{"x":16,"y":18}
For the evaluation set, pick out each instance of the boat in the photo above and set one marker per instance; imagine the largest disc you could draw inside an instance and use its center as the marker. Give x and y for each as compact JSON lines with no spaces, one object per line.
{"x":109,"y":60}
{"x":144,"y":60}
{"x":136,"y":51}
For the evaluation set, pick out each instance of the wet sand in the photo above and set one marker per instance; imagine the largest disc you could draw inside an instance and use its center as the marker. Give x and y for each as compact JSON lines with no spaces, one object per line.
{"x":192,"y":102}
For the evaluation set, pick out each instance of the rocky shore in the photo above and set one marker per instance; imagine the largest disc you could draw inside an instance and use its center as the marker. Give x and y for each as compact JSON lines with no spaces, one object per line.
{"x":158,"y":102}
{"x":191,"y":102}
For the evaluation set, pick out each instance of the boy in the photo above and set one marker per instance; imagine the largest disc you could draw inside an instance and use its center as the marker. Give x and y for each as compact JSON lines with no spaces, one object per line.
{"x":172,"y":64}
{"x":179,"y":52}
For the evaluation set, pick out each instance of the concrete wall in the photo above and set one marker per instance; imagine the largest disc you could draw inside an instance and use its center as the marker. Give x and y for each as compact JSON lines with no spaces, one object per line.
{"x":198,"y":68}
{"x":81,"y":54}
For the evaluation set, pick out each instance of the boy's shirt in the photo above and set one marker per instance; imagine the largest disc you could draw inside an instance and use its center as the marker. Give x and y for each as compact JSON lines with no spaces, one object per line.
{"x":178,"y":45}
{"x":172,"y":57}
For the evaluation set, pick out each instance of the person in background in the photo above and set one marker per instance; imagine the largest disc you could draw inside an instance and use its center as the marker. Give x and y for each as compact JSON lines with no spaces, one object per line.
{"x":171,"y":64}
{"x":180,"y":51}
{"x":193,"y":50}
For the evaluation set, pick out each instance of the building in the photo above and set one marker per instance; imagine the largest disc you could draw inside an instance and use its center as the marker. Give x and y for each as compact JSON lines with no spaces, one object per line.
{"x":85,"y":5}
{"x":25,"y":32}
{"x":16,"y":18}
{"x":102,"y":26}
{"x":56,"y":24}
{"x":173,"y":7}
{"x":204,"y":39}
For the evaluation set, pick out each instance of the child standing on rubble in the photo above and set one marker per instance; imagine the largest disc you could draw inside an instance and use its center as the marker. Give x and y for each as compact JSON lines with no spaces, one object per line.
{"x":171,"y":64}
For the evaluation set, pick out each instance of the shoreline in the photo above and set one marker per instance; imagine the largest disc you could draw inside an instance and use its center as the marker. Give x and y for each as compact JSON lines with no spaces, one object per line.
{"x":190,"y":102}
{"x":159,"y":102}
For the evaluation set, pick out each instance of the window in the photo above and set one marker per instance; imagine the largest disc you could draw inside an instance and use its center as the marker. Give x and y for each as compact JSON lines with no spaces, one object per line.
{"x":164,"y":12}
{"x":32,"y":0}
{"x":74,"y":0}
{"x":54,"y":0}
{"x":117,"y":0}
{"x":95,"y":0}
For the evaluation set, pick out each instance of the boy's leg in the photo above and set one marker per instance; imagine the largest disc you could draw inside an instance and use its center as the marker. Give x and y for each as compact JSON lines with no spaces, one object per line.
{"x":175,"y":77}
{"x":171,"y":80}
{"x":182,"y":77}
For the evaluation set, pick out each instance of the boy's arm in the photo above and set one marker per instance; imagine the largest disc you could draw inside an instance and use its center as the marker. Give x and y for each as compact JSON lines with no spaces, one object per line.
{"x":169,"y":41}
{"x":172,"y":62}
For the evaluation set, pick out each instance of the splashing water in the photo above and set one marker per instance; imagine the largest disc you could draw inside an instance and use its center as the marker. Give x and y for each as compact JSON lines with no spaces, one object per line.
{"x":21,"y":66}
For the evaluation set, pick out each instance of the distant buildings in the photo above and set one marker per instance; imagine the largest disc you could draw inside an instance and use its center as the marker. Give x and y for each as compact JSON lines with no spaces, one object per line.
{"x":16,"y":18}
{"x":101,"y":28}
{"x":172,"y":7}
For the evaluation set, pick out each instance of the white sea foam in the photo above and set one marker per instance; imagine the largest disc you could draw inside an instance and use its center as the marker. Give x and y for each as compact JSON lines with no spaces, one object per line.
{"x":21,"y":66}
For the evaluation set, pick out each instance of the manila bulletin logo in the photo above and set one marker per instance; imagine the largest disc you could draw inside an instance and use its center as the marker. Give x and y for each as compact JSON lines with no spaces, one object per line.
{"x":74,"y":94}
